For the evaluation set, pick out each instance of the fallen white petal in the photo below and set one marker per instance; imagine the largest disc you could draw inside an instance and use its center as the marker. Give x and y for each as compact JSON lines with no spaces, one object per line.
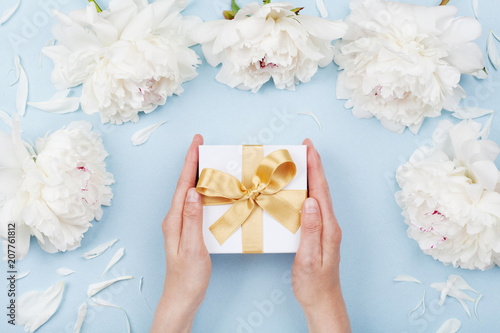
{"x":58,"y":106}
{"x":406,"y":278}
{"x":495,"y":35}
{"x":422,"y":303}
{"x":17,"y":63}
{"x":450,"y":326}
{"x":140,"y":292}
{"x":82,"y":311}
{"x":460,"y":283}
{"x":470,"y":113}
{"x":320,"y":4}
{"x":102,"y":302}
{"x":5,"y":117}
{"x":492,"y":51}
{"x":144,"y":134}
{"x":50,"y":42}
{"x":9,"y":12}
{"x":22,"y":90}
{"x":118,"y":255}
{"x":35,"y":308}
{"x":310,"y":114}
{"x":97,"y":251}
{"x":475,"y":8}
{"x":475,"y":306}
{"x":485,"y":132}
{"x":97,"y":287}
{"x":19,"y":277}
{"x":464,"y":305}
{"x":65,"y":271}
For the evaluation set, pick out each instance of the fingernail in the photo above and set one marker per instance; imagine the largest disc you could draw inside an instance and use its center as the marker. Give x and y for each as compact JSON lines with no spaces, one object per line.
{"x":192,"y":195}
{"x":310,"y":206}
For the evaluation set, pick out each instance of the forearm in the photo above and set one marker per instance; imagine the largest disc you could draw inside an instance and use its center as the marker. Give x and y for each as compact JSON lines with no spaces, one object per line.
{"x":171,"y":316}
{"x":329,"y":317}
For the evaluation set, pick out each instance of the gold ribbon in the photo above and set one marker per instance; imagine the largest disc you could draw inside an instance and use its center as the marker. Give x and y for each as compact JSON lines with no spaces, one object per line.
{"x":261,"y":188}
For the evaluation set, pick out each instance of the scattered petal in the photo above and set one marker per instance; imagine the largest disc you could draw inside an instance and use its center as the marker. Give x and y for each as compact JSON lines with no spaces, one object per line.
{"x":82,"y":311}
{"x":35,"y":308}
{"x":9,"y":12}
{"x":406,"y":278}
{"x":17,"y":64}
{"x":485,"y":132}
{"x":475,"y":8}
{"x":97,"y":251}
{"x":58,"y":105}
{"x":19,"y":277}
{"x":140,"y":292}
{"x":50,"y":42}
{"x":320,"y":4}
{"x":422,"y":303}
{"x":102,"y":302}
{"x":450,"y":326}
{"x":495,"y":35}
{"x":22,"y":89}
{"x":492,"y":51}
{"x":5,"y":117}
{"x":65,"y":271}
{"x":97,"y":287}
{"x":470,"y":113}
{"x":475,"y":306}
{"x":118,"y":255}
{"x":460,"y":283}
{"x":144,"y":134}
{"x":453,"y":287}
{"x":310,"y":114}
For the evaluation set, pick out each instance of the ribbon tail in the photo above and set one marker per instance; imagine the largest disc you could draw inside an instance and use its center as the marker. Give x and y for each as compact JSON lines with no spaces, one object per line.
{"x":284,"y":207}
{"x":228,"y":223}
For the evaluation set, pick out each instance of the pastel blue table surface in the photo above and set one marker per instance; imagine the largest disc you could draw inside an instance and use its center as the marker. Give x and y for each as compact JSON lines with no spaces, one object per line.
{"x":247,"y":293}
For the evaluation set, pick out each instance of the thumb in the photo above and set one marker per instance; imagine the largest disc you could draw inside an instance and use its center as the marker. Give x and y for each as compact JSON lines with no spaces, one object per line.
{"x":192,"y":221}
{"x":310,"y":234}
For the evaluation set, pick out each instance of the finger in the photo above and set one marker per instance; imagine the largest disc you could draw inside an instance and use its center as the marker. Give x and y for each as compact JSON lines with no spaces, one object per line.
{"x":309,"y":251}
{"x":173,"y":221}
{"x":319,"y":190}
{"x":192,"y":223}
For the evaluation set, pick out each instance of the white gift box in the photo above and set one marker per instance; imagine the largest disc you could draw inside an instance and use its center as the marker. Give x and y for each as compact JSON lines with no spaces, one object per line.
{"x":228,"y":159}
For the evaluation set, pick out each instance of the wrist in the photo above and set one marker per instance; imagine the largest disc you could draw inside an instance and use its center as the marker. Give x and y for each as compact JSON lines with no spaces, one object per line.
{"x":174,"y":315}
{"x":328,"y":314}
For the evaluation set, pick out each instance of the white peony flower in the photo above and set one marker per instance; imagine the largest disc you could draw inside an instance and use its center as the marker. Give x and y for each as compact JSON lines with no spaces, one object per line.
{"x":129,"y":58}
{"x":402,"y":62}
{"x":451,"y":197}
{"x":54,"y":189}
{"x":268,"y":41}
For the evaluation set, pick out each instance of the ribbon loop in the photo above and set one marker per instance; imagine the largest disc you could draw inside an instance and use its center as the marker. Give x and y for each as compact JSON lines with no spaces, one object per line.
{"x":273,"y":173}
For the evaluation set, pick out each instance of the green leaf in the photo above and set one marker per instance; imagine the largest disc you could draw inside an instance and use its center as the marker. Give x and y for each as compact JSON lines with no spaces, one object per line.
{"x":96,"y":5}
{"x":297,"y":10}
{"x":266,"y":2}
{"x":228,"y":14}
{"x":235,"y":7}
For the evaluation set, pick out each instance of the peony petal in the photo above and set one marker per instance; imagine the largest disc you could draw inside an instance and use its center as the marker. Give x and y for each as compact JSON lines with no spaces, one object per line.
{"x":144,"y":134}
{"x":101,"y":302}
{"x":313,"y":116}
{"x":5,"y":117}
{"x":19,"y":277}
{"x":406,"y":278}
{"x":50,"y":42}
{"x":422,"y":303}
{"x":118,"y":255}
{"x":470,"y":112}
{"x":35,"y":308}
{"x":460,"y":283}
{"x":58,"y":106}
{"x":97,"y":287}
{"x":320,"y":5}
{"x":475,"y":306}
{"x":22,"y":89}
{"x":82,"y":311}
{"x":140,"y":292}
{"x":475,"y":8}
{"x":485,"y":132}
{"x":9,"y":12}
{"x":97,"y":251}
{"x":450,"y":326}
{"x":65,"y":271}
{"x":492,"y":51}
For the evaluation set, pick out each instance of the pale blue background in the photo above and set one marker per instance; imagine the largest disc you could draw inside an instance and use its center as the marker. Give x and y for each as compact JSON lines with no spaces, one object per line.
{"x":360,"y":159}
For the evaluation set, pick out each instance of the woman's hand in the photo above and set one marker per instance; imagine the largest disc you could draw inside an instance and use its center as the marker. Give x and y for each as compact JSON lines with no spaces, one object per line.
{"x":315,"y":274}
{"x":188,"y":262}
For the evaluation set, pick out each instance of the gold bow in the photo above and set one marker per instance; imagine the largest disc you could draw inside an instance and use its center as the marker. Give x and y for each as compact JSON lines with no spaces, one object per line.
{"x":263,"y":180}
